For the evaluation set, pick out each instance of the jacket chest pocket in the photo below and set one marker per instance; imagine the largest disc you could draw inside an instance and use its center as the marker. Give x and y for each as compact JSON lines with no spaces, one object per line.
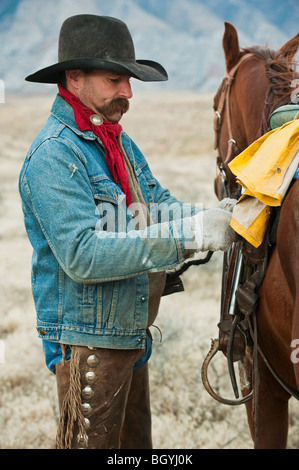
{"x":147,"y":182}
{"x":105,"y":190}
{"x":110,"y":205}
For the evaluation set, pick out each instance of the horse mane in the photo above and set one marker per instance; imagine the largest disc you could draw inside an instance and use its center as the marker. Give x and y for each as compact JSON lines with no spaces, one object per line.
{"x":280,"y":72}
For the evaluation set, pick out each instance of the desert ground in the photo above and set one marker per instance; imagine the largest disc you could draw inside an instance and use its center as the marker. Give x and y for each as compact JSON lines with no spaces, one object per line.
{"x":175,"y":132}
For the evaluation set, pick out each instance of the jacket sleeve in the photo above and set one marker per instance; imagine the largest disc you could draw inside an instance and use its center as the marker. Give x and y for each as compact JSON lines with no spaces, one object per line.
{"x":174,"y":208}
{"x":58,"y":192}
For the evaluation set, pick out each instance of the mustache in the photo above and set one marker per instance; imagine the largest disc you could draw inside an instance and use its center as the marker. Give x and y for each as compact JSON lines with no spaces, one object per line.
{"x":122,"y":103}
{"x":117,"y":104}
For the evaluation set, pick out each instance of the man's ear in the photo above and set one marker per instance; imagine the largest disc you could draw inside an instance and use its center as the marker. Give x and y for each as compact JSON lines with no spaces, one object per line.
{"x":73,"y":78}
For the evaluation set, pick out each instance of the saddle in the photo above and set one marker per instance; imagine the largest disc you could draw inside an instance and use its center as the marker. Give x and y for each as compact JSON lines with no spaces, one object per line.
{"x":284,"y":114}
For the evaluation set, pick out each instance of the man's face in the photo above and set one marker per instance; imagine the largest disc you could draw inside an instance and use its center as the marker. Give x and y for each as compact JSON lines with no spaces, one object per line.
{"x":106,"y":93}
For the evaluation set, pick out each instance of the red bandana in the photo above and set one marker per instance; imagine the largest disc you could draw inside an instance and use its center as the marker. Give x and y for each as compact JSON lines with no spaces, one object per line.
{"x":107,"y":132}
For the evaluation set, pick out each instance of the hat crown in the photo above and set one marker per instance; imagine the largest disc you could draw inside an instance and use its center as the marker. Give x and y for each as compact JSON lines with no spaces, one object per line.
{"x":91,"y":36}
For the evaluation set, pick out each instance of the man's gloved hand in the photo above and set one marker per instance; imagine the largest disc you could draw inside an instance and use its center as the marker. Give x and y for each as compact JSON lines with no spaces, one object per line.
{"x":212,"y":230}
{"x":227,"y":204}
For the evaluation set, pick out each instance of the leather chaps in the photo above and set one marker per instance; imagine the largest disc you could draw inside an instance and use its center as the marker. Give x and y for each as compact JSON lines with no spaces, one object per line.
{"x":103,"y":402}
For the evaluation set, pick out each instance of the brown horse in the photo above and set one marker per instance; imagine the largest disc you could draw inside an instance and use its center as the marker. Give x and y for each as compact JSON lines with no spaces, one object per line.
{"x":258,"y":81}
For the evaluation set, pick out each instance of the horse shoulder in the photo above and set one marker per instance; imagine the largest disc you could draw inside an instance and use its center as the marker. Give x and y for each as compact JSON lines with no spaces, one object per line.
{"x":287,"y":238}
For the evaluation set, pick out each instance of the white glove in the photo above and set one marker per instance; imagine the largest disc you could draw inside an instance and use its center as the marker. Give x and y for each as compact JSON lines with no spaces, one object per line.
{"x":227,"y":204}
{"x":212,"y":231}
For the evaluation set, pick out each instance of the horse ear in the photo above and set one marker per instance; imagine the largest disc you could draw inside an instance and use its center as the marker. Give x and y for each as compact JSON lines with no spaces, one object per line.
{"x":290,"y":48}
{"x":230,"y":43}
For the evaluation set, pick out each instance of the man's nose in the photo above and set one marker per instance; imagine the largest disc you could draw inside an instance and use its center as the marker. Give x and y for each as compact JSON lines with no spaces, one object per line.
{"x":126,"y":89}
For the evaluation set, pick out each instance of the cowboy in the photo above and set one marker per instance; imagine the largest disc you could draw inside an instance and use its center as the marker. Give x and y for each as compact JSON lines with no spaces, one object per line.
{"x":99,"y":254}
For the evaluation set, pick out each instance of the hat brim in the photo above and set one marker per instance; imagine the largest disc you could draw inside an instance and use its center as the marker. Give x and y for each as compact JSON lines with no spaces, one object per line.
{"x":145,"y":70}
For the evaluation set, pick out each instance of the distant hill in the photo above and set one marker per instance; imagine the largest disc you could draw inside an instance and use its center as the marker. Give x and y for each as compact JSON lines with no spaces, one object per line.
{"x":184,"y":35}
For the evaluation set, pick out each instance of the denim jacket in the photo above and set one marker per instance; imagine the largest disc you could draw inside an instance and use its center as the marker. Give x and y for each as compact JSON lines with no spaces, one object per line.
{"x":89,"y":272}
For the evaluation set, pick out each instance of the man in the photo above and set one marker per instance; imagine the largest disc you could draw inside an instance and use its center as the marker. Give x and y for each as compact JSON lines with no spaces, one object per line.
{"x":100,"y":252}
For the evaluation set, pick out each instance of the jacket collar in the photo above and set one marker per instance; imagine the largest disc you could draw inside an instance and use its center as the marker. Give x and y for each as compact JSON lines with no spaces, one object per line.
{"x":62,"y":111}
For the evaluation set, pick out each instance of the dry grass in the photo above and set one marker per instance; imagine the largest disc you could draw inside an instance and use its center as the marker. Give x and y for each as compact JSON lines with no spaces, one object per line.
{"x":175,"y":132}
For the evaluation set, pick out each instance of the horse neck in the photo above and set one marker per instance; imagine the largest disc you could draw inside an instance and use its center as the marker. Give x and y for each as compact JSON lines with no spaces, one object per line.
{"x":248,"y":96}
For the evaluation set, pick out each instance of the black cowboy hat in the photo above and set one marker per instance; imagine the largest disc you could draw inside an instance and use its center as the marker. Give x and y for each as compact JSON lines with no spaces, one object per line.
{"x":98,"y":43}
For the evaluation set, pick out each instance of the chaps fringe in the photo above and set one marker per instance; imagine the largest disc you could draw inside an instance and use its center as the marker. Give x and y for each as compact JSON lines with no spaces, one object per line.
{"x":71,"y":410}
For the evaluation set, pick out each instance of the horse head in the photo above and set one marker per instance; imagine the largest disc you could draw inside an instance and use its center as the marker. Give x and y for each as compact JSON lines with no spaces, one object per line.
{"x":258,"y":80}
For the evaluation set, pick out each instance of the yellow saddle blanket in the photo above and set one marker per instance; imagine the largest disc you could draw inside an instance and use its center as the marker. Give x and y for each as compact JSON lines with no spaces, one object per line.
{"x":264,"y":170}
